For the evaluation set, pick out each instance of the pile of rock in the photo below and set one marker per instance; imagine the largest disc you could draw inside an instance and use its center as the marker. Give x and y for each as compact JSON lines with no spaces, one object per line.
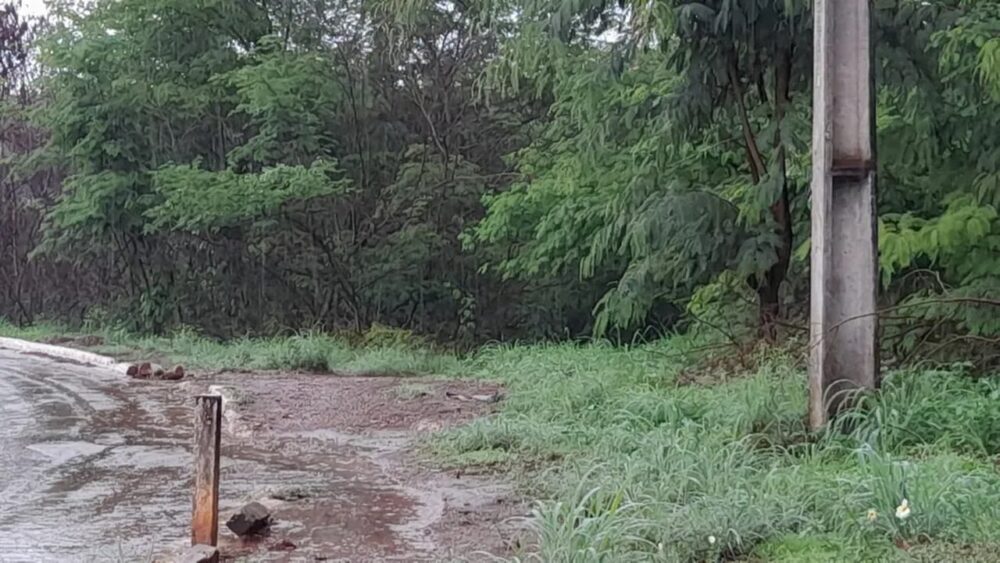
{"x":147,"y":370}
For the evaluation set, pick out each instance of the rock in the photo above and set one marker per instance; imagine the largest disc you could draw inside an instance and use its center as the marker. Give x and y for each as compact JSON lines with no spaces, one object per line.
{"x":491,"y":398}
{"x":175,"y":374}
{"x":429,"y":426}
{"x":289,"y":494}
{"x":197,"y":554}
{"x":494,"y":397}
{"x":146,"y":370}
{"x":90,"y":341}
{"x":283,"y":545}
{"x":251,"y":519}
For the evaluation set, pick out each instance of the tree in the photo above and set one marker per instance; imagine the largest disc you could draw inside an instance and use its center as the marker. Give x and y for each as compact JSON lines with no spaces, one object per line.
{"x":275,"y":164}
{"x":940,"y":233}
{"x":484,"y":170}
{"x":726,"y":81}
{"x":675,"y":153}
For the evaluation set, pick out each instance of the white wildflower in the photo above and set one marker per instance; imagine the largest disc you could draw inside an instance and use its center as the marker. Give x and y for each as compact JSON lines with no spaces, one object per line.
{"x":903,"y":510}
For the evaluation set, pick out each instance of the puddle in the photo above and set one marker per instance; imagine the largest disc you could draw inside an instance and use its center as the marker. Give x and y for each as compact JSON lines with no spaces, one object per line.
{"x":62,"y":452}
{"x":97,"y":468}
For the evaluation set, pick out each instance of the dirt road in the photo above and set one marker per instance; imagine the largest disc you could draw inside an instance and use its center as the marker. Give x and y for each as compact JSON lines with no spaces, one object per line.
{"x":96,"y":467}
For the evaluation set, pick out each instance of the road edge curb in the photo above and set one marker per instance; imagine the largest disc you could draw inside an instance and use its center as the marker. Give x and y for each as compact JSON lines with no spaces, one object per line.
{"x":229,"y":412}
{"x":64,"y":353}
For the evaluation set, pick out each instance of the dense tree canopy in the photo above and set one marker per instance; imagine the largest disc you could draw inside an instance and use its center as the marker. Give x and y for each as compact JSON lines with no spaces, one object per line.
{"x":479,"y":170}
{"x":258,"y":166}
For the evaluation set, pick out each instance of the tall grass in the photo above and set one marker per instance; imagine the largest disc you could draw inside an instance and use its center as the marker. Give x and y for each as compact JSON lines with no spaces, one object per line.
{"x":651,"y":470}
{"x":307,"y":351}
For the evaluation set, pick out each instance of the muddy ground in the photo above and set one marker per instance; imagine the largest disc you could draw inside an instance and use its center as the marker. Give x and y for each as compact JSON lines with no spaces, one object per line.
{"x":95,"y":466}
{"x":397,"y":506}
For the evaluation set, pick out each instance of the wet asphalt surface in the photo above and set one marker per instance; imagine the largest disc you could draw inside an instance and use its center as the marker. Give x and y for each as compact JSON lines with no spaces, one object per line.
{"x":97,"y":467}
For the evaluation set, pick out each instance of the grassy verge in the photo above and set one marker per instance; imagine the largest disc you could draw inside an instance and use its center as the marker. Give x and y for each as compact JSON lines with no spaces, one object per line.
{"x":635,"y":465}
{"x":381,"y":351}
{"x":639,"y":468}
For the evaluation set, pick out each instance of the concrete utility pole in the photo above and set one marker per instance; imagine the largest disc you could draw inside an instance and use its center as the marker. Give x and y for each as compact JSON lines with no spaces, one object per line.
{"x":843,"y":340}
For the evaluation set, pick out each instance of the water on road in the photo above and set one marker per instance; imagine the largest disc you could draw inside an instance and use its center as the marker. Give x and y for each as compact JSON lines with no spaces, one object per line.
{"x":96,"y":467}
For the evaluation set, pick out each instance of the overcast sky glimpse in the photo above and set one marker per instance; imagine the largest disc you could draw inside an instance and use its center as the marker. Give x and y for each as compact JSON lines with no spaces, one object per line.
{"x":32,"y":7}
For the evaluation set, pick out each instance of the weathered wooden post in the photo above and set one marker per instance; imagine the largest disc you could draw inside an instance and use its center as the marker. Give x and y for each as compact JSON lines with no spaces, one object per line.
{"x":843,"y":325}
{"x":207,"y":442}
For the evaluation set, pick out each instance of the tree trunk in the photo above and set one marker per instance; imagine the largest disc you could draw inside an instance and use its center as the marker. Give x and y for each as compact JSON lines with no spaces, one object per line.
{"x":768,"y":310}
{"x":769,"y":288}
{"x":769,"y":292}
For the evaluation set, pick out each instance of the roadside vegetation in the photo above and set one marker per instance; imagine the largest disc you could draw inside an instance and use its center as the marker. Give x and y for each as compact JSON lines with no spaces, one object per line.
{"x":678,"y":451}
{"x":270,"y":184}
{"x":638,"y":465}
{"x":380,"y":351}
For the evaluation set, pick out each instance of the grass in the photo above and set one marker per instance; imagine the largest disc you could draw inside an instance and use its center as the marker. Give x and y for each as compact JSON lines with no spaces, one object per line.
{"x":633,"y":465}
{"x":649,"y":470}
{"x":381,"y":352}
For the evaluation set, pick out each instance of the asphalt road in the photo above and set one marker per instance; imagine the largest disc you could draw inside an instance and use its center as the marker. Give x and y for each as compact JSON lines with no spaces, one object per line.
{"x":91,"y":468}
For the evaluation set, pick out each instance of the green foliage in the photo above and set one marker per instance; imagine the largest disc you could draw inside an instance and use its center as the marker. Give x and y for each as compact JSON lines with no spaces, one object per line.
{"x":387,"y":337}
{"x":645,"y":175}
{"x":95,"y":207}
{"x":803,"y":549}
{"x":651,"y":470}
{"x":496,"y":170}
{"x":935,"y":408}
{"x":953,"y":240}
{"x":605,"y":195}
{"x":642,"y":171}
{"x":230,"y":166}
{"x":293,"y":99}
{"x":197,"y":200}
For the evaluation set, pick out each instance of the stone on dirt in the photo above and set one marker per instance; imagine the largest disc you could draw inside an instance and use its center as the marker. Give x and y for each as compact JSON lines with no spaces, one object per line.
{"x":175,"y":374}
{"x":289,"y":494}
{"x":148,"y":370}
{"x":283,"y":545}
{"x":251,"y":519}
{"x":495,"y":397}
{"x":197,"y":554}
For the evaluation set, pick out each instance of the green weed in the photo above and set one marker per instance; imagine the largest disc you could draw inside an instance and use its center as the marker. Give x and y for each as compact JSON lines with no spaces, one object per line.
{"x":632,"y":464}
{"x":388,"y":353}
{"x":652,"y":470}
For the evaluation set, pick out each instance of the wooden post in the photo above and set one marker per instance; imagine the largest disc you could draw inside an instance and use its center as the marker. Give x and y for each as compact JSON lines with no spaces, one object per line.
{"x":207,"y":441}
{"x":843,"y":355}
